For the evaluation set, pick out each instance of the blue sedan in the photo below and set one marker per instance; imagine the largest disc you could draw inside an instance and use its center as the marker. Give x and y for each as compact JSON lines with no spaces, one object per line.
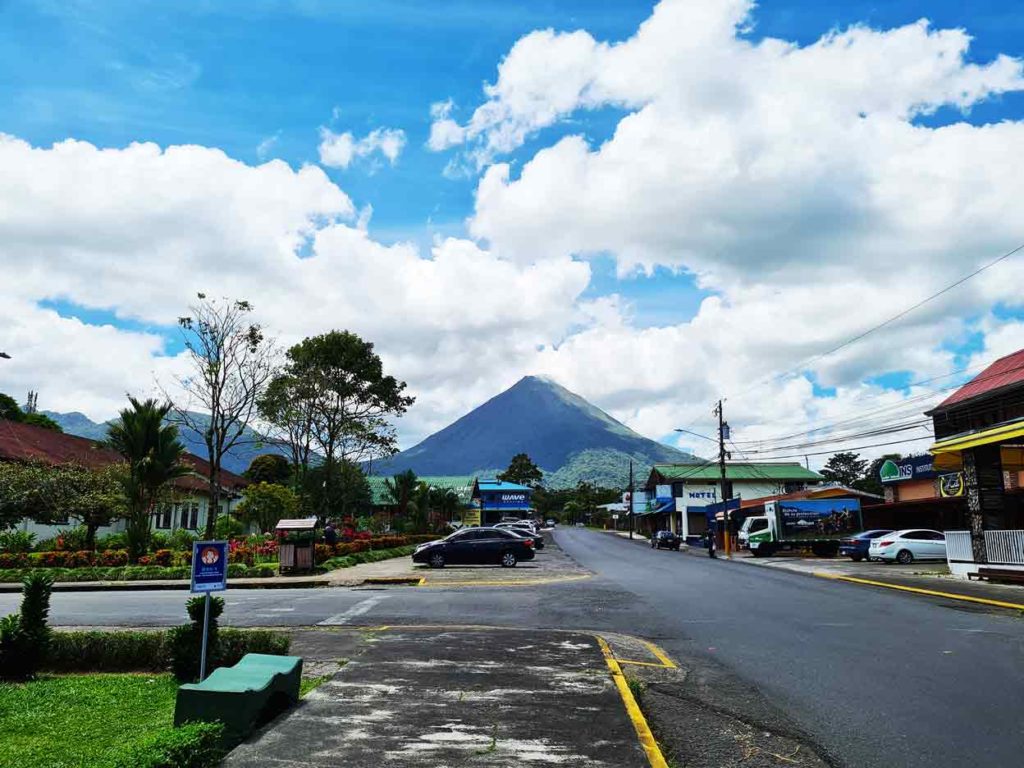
{"x":856,"y":546}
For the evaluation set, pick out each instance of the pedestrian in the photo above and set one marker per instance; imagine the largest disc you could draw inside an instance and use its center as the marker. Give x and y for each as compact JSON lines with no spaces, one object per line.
{"x":330,"y":534}
{"x":711,"y":543}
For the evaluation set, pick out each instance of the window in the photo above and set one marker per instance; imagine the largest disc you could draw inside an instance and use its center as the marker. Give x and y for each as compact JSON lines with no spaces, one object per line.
{"x":164,"y":516}
{"x":916,"y":535}
{"x":190,"y":515}
{"x":758,"y":525}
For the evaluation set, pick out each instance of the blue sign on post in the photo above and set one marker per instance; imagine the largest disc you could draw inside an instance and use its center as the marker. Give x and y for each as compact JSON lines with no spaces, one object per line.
{"x":209,"y":566}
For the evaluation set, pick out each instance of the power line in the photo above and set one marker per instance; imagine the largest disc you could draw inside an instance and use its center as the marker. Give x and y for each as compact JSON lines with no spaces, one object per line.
{"x":804,"y":364}
{"x":898,"y":406}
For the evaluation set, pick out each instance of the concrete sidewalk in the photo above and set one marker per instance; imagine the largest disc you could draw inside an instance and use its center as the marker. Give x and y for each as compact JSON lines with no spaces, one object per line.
{"x":439,"y":697}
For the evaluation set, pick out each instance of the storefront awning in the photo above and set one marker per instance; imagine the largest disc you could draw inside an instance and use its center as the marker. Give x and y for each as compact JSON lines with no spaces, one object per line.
{"x":998,"y":434}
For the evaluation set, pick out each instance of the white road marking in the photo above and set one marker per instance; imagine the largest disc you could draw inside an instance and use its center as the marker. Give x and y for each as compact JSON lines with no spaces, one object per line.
{"x":364,"y":606}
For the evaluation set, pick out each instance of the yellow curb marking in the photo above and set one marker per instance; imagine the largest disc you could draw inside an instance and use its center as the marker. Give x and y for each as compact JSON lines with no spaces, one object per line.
{"x":641,"y":663}
{"x":643,"y":731}
{"x":659,"y":654}
{"x":920,"y":590}
{"x":510,"y":583}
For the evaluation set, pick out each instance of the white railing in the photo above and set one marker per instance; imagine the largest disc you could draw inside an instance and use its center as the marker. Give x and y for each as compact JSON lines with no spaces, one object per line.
{"x":958,"y":546}
{"x":1003,"y":547}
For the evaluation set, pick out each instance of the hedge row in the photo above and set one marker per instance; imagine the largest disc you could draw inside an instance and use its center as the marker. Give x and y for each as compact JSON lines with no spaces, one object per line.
{"x":372,"y":556}
{"x":136,"y":573}
{"x":137,"y":651}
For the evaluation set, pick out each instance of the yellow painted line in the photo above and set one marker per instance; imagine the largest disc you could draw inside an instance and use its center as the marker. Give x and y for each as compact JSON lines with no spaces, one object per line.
{"x":643,"y":731}
{"x":659,"y":654}
{"x":921,"y":591}
{"x":509,"y":583}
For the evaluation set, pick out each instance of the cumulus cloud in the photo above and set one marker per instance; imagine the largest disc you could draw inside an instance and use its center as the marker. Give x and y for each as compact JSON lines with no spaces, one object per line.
{"x":338,"y":150}
{"x":137,"y":232}
{"x":796,"y":183}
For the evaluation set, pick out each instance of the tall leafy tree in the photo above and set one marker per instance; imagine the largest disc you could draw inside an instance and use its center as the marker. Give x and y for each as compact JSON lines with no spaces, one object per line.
{"x":522,"y":470}
{"x":349,"y":491}
{"x":269,"y":468}
{"x":339,"y":382}
{"x":845,"y":468}
{"x":231,"y":362}
{"x":266,"y":503}
{"x":153,"y":454}
{"x":871,"y":482}
{"x":286,"y":408}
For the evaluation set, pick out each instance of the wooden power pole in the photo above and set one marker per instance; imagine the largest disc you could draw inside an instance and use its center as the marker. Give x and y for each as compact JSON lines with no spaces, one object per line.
{"x":723,"y":433}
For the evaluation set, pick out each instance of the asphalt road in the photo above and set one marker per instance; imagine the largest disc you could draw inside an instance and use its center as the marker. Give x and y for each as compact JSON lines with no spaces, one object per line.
{"x":878,"y":678}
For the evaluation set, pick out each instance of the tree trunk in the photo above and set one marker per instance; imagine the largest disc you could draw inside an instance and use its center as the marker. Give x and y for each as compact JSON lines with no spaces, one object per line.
{"x":214,"y":504}
{"x":90,"y":535}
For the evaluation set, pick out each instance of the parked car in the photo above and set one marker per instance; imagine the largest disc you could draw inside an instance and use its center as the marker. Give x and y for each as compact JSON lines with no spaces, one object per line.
{"x":476,"y":546}
{"x":909,"y":545}
{"x":856,"y":546}
{"x":522,"y":530}
{"x":665,"y":540}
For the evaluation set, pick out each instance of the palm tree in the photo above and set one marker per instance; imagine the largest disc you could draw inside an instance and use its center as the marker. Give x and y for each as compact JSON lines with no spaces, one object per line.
{"x":447,"y":504}
{"x":154,"y":456}
{"x":400,"y":489}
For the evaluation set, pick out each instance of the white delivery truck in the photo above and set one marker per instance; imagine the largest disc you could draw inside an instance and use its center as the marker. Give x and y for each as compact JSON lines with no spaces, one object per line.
{"x":813,"y":525}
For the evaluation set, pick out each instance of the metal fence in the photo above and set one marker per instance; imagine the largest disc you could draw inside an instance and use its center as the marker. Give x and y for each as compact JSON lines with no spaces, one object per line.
{"x":958,"y":546}
{"x":1004,"y":547}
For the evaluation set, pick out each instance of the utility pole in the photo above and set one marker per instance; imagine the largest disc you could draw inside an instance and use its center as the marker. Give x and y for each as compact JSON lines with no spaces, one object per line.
{"x":629,"y":502}
{"x":723,"y":433}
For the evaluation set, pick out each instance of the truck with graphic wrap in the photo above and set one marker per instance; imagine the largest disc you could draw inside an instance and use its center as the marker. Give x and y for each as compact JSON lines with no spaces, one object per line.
{"x":814,"y":525}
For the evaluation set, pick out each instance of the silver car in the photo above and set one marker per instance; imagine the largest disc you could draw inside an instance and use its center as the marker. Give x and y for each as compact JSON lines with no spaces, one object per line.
{"x":909,"y":545}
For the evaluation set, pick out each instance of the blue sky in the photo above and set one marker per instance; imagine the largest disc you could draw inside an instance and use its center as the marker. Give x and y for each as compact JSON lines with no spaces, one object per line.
{"x":236,"y":74}
{"x":258,"y":80}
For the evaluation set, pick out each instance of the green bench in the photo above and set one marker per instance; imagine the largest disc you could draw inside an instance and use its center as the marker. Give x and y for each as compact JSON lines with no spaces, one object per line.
{"x":242,"y":697}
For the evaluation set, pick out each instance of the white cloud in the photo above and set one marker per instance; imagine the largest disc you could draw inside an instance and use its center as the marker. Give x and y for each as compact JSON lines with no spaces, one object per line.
{"x":338,"y":150}
{"x":792,"y":182}
{"x":138,"y":231}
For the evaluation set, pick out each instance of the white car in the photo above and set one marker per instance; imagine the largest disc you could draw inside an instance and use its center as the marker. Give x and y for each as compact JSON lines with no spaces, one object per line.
{"x":909,"y":545}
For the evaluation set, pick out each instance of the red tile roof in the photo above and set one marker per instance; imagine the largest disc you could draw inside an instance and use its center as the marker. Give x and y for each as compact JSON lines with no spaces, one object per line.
{"x":27,"y":442}
{"x":1002,"y":373}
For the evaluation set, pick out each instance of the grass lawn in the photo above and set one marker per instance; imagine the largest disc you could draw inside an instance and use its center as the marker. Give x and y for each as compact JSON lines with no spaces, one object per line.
{"x":74,"y":721}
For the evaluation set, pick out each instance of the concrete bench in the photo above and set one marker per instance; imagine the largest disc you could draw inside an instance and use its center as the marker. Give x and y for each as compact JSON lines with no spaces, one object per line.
{"x":242,"y":697}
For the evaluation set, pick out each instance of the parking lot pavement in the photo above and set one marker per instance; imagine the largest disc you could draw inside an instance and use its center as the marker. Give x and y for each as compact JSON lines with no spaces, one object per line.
{"x":443,"y":697}
{"x":550,"y":565}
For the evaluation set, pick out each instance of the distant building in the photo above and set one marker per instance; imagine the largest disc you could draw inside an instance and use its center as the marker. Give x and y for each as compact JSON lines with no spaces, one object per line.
{"x":678,"y":493}
{"x":190,"y":499}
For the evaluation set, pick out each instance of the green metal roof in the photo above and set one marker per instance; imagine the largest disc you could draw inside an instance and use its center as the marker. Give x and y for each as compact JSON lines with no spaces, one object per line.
{"x":461,"y":484}
{"x":770,"y":471}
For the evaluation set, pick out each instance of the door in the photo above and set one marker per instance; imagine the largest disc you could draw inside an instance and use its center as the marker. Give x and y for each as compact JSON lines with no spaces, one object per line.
{"x":936,"y":545}
{"x":918,"y":544}
{"x":491,"y":544}
{"x":458,"y":548}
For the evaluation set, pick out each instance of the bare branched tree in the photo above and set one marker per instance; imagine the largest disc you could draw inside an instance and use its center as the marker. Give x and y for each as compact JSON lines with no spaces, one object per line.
{"x":232,"y":362}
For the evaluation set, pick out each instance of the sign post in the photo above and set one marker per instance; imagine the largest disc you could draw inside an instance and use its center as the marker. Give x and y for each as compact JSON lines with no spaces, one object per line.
{"x":209,"y":574}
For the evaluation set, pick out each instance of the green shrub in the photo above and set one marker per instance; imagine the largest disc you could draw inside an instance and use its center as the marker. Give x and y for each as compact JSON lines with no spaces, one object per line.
{"x":235,"y":643}
{"x":96,"y":651}
{"x":45,"y":545}
{"x":112,"y":541}
{"x":73,"y":539}
{"x":228,"y":527}
{"x":186,"y":642}
{"x":11,"y":665}
{"x":193,"y":745}
{"x":181,"y":540}
{"x":16,"y":541}
{"x":24,"y":638}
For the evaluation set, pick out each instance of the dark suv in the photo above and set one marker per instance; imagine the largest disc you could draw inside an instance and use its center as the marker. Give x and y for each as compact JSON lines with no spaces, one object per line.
{"x":665,"y":540}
